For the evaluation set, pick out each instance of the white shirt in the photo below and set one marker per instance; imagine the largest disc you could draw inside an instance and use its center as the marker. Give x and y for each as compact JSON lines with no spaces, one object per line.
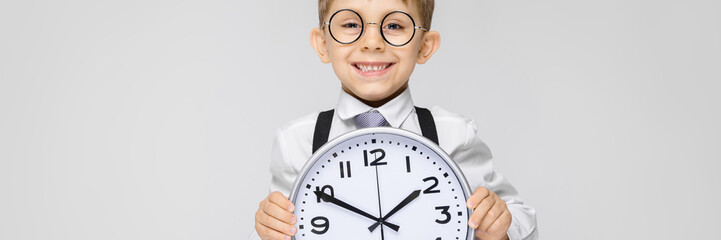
{"x":457,"y":136}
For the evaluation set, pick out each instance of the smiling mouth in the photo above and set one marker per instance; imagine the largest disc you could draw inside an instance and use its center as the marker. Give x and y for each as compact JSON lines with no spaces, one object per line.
{"x":371,"y":67}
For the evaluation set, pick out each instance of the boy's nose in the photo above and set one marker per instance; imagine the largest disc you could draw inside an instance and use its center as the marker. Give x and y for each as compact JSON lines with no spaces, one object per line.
{"x":372,"y":41}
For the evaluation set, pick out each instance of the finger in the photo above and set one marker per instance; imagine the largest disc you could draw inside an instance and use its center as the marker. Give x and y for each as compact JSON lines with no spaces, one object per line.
{"x":278,"y":212}
{"x":267,"y":233}
{"x":280,"y":200}
{"x":498,"y":208}
{"x":480,"y":212}
{"x":477,"y":196}
{"x":502,"y":223}
{"x":482,"y":235}
{"x":273,"y":223}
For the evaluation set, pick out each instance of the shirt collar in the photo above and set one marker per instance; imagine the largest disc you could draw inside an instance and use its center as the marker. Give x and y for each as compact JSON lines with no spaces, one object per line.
{"x":395,"y":111}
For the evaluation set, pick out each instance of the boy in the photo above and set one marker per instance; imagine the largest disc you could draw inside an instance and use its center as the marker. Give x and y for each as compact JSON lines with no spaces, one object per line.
{"x":373,"y":46}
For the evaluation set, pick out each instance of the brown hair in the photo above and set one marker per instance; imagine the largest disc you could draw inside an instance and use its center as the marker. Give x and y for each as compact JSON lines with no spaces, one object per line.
{"x":425,"y":9}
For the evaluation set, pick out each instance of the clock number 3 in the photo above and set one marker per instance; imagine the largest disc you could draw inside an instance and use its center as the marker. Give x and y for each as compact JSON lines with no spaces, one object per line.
{"x":377,"y":160}
{"x":444,"y":211}
{"x":321,"y":223}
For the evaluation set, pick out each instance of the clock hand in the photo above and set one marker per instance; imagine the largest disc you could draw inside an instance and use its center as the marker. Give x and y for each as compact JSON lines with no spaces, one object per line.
{"x":331,"y":199}
{"x":402,"y":204}
{"x":380,"y":208}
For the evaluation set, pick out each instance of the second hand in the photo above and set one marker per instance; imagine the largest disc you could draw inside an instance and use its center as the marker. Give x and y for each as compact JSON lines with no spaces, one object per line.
{"x":380,"y":210}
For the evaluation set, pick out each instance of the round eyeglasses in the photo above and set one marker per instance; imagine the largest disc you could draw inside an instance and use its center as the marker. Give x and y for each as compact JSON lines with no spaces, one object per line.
{"x":397,"y":28}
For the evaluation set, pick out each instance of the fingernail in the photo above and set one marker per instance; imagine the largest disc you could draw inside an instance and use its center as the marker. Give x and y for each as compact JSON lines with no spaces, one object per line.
{"x":291,"y":208}
{"x":286,"y":237}
{"x":292,"y":230}
{"x":293,"y":220}
{"x":473,"y":224}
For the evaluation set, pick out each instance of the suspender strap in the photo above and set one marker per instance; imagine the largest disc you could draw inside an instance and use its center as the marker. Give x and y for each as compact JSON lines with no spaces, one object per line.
{"x":428,"y":125}
{"x":322,"y":129}
{"x":325,"y":119}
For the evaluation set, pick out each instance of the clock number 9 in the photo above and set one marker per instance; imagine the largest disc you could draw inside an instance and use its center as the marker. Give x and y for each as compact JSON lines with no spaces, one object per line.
{"x":444,"y":211}
{"x":323,"y":225}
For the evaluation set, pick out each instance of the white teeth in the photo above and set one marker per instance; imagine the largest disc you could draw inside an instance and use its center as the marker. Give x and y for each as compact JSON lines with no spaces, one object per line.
{"x":369,"y":68}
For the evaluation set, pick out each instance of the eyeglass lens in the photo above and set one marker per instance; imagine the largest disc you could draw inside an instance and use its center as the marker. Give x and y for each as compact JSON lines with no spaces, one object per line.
{"x":397,"y":28}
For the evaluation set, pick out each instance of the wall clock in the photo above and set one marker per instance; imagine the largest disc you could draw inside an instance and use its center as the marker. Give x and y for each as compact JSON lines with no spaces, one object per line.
{"x":381,"y":183}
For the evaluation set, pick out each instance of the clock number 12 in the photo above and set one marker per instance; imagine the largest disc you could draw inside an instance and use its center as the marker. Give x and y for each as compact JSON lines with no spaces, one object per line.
{"x":377,"y":160}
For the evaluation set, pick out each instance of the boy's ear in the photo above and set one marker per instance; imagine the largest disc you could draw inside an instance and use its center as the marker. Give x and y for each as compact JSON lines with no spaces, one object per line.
{"x":429,"y":44}
{"x":317,"y":40}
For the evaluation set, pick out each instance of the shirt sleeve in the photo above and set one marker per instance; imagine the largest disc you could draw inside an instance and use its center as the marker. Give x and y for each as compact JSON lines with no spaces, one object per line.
{"x":281,"y":171}
{"x":475,"y":160}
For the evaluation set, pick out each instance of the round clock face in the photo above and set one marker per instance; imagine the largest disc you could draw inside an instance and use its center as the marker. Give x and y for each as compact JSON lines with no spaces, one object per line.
{"x":381,"y":183}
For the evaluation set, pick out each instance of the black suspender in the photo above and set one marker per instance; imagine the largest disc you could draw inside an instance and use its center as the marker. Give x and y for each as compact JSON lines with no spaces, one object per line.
{"x":322,"y":129}
{"x":428,"y":126}
{"x":322,"y":126}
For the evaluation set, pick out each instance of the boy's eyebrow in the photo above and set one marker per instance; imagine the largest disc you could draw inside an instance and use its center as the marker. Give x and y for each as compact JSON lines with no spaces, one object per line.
{"x":383,"y":15}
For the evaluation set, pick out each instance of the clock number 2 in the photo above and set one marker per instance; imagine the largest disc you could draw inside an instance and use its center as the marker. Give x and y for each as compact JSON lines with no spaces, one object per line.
{"x":444,"y":211}
{"x":378,"y":159}
{"x":321,"y":223}
{"x":431,"y":188}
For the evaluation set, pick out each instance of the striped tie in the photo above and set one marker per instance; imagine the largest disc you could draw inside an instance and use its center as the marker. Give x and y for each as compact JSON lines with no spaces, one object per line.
{"x":370,"y":119}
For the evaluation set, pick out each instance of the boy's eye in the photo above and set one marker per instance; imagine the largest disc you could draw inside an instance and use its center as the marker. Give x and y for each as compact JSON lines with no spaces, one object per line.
{"x":393,"y":26}
{"x":351,"y":25}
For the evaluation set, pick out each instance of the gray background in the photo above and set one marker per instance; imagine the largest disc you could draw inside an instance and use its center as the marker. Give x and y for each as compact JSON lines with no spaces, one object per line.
{"x":154,"y":119}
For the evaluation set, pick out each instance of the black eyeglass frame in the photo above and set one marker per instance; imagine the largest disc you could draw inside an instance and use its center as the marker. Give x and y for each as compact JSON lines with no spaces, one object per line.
{"x":363,"y":27}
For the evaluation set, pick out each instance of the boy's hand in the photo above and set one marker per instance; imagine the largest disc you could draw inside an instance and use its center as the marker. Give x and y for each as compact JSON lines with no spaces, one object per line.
{"x":490,"y":217}
{"x":274,"y":219}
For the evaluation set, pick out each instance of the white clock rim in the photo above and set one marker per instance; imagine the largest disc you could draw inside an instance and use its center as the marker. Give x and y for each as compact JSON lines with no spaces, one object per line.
{"x":385,"y":130}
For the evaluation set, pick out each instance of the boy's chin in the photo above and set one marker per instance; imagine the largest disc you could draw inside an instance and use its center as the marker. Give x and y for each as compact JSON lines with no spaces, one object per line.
{"x":373,"y":95}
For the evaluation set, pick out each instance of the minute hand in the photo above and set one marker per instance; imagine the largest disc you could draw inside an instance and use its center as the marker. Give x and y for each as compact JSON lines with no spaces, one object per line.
{"x":402,"y":204}
{"x":331,"y":199}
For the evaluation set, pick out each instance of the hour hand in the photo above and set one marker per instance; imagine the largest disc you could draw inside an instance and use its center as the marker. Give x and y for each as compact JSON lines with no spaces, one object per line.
{"x":328,"y":198}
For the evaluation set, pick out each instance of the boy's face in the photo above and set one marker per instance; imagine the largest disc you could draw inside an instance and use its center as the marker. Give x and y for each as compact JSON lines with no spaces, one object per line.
{"x":370,"y":68}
